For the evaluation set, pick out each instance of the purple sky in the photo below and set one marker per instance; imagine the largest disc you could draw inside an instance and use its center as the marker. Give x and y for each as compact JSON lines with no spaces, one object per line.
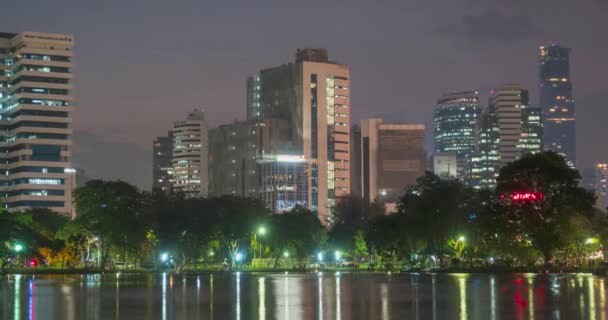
{"x":142,"y":64}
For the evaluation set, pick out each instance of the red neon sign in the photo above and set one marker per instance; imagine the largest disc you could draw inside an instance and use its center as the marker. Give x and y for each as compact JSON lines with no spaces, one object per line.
{"x":527,"y":196}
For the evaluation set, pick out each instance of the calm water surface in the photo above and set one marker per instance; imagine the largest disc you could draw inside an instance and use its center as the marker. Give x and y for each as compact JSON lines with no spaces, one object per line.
{"x":327,"y":295}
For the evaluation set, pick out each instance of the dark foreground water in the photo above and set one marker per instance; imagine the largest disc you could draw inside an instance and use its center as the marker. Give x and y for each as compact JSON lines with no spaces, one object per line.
{"x":327,"y":295}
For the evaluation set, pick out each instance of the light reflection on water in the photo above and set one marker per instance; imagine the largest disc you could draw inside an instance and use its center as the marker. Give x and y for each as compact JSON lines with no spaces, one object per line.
{"x":302,"y":296}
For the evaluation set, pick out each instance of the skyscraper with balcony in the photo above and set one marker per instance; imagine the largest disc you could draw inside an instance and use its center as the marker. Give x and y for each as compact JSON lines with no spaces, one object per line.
{"x":455,"y":124}
{"x":557,"y":102}
{"x":35,"y":120}
{"x":191,"y":156}
{"x":313,"y":95}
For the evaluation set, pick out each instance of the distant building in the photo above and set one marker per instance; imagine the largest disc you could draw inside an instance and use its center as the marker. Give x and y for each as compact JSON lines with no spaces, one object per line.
{"x":601,"y":185}
{"x":355,"y":161}
{"x":191,"y":156}
{"x":588,"y":179}
{"x":313,"y":95}
{"x":445,"y":164}
{"x":283,"y":182}
{"x":455,"y":123}
{"x":392,"y":158}
{"x":36,"y":103}
{"x":234,"y":151}
{"x":162,"y":165}
{"x":509,"y":128}
{"x":557,"y":102}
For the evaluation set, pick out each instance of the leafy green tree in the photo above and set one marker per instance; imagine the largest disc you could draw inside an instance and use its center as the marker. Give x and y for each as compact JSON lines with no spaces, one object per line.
{"x":112,"y":212}
{"x":543,"y":219}
{"x":436,"y":210}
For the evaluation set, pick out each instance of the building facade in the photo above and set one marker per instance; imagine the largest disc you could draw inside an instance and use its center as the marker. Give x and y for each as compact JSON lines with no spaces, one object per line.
{"x":191,"y":156}
{"x":392,"y":158}
{"x":283,"y":182}
{"x":234,"y":151}
{"x":455,"y":123}
{"x":601,"y":185}
{"x":509,"y":128}
{"x":36,"y":104}
{"x":557,"y":102}
{"x":162,"y":166}
{"x":313,"y":95}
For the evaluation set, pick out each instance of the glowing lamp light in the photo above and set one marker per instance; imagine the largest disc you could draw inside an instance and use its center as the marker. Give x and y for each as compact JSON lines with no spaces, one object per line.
{"x":286,"y":254}
{"x":320,"y":256}
{"x":164,"y":257}
{"x":527,"y":196}
{"x":238,"y":256}
{"x":18,"y":248}
{"x":338,"y":255}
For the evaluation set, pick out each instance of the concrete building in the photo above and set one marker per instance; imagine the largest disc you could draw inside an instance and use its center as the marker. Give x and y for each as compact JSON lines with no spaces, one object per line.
{"x":509,"y":128}
{"x":455,"y":123}
{"x":234,"y":151}
{"x":519,"y":124}
{"x":191,"y":156}
{"x":313,"y":95}
{"x":162,"y":165}
{"x":355,"y":161}
{"x":601,"y":185}
{"x":36,"y":104}
{"x":392,"y":158}
{"x":283,"y":182}
{"x":445,"y":164}
{"x":557,"y":102}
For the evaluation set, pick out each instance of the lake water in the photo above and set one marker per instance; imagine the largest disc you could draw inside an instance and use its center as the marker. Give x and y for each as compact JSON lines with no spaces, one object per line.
{"x":327,"y":295}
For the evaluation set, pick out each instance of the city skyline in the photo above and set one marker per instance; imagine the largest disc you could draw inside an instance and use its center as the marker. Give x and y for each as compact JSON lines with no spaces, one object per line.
{"x":449,"y":52}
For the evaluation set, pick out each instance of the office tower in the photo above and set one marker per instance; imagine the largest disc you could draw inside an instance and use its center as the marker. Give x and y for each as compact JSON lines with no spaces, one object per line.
{"x":588,"y":179}
{"x":392,"y":158}
{"x":191,"y":156}
{"x":601,"y":185}
{"x":234,"y":149}
{"x":444,"y":164}
{"x":355,"y":161}
{"x":481,"y":168}
{"x":455,"y":123}
{"x":509,"y":128}
{"x":557,"y":102}
{"x":283,"y":182}
{"x":313,"y":95}
{"x":162,"y":166}
{"x":519,"y":126}
{"x":35,"y":119}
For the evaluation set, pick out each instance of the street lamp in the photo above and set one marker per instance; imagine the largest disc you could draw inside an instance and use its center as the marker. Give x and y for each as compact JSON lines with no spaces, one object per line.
{"x":461,"y":238}
{"x":238,"y":257}
{"x":18,"y":247}
{"x":164,"y":257}
{"x":286,"y":254}
{"x":338,"y":254}
{"x":320,"y":256}
{"x":262,"y":230}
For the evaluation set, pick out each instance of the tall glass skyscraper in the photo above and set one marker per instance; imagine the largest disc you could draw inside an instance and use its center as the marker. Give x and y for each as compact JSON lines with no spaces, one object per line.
{"x":35,"y":121}
{"x":455,"y":124}
{"x":556,"y":101}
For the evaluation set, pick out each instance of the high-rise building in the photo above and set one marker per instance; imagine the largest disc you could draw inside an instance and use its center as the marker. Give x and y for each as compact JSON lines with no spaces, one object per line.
{"x":355,"y":161}
{"x":519,"y":125}
{"x":283,"y":182}
{"x":557,"y":102}
{"x":35,"y":120}
{"x":455,"y":124}
{"x":392,"y":158}
{"x":162,"y":166}
{"x":313,"y":94}
{"x":191,"y":156}
{"x":601,"y":185}
{"x":509,"y":128}
{"x":234,"y":149}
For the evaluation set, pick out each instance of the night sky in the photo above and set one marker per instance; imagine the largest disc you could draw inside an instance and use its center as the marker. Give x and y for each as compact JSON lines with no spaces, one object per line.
{"x":141,"y":65}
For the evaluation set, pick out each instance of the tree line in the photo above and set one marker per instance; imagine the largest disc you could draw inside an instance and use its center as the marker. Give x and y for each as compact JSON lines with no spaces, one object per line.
{"x":538,"y":214}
